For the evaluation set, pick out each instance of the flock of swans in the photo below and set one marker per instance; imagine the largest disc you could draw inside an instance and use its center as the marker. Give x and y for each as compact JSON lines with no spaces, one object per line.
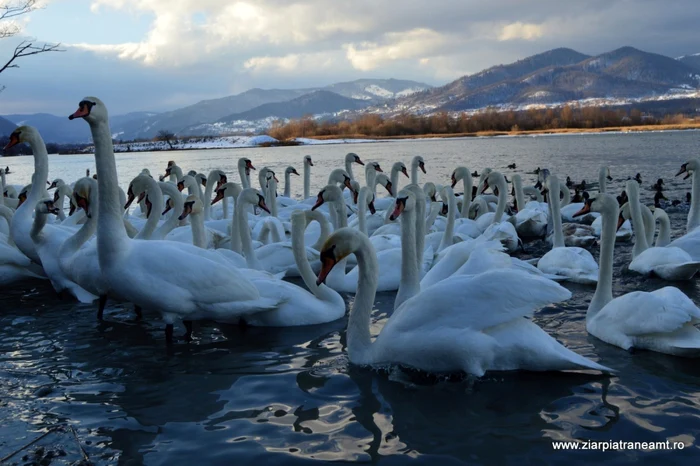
{"x":463,"y":303}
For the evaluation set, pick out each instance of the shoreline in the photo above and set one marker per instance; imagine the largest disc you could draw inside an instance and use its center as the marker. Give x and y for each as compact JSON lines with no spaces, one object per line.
{"x":262,"y":141}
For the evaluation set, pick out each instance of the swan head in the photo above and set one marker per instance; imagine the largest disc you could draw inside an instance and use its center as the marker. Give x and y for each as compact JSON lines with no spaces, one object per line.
{"x":459,"y":174}
{"x":291,"y":170}
{"x":430,"y":191}
{"x":251,"y":196}
{"x":331,"y":193}
{"x":23,"y":195}
{"x":355,"y":190}
{"x":338,"y":246}
{"x":367,"y":197}
{"x":193,"y":206}
{"x":386,"y":182}
{"x":625,"y":214}
{"x":689,"y":167}
{"x":46,"y":206}
{"x":376,"y":167}
{"x":419,"y":162}
{"x":82,"y":194}
{"x":170,"y":168}
{"x":600,"y":202}
{"x":308,"y":161}
{"x":405,"y":200}
{"x":493,"y":179}
{"x":56,"y":183}
{"x":138,"y":187}
{"x":351,"y":157}
{"x":22,"y":134}
{"x":400,"y":167}
{"x":227,"y":189}
{"x":92,"y":110}
{"x":187,"y":180}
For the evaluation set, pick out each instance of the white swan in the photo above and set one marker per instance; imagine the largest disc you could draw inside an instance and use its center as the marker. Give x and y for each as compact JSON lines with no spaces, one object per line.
{"x":14,"y":266}
{"x":575,"y":264}
{"x":661,"y":320}
{"x":317,"y":306}
{"x":498,"y":229}
{"x":136,"y":270}
{"x":469,"y":324}
{"x":530,"y":219}
{"x":669,"y":263}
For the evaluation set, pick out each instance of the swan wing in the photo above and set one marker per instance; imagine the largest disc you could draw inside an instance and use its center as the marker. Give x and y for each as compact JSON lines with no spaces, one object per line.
{"x":478,"y":302}
{"x":641,"y":313}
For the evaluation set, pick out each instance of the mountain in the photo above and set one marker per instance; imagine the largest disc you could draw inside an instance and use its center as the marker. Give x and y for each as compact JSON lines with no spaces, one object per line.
{"x":692,"y":61}
{"x":557,"y":76}
{"x":314,"y":103}
{"x":375,"y":90}
{"x":6,"y":127}
{"x":61,"y":130}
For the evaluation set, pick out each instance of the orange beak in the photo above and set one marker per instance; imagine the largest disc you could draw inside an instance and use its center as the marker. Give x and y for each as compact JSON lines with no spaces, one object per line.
{"x":327,"y":264}
{"x":398,"y":208}
{"x":82,"y":112}
{"x":584,"y":210}
{"x":14,"y":140}
{"x":319,"y":201}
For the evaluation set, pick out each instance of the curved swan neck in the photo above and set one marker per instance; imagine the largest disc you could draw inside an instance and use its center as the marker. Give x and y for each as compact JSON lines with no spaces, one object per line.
{"x":324,"y":225}
{"x":502,"y":198}
{"x":37,"y":226}
{"x":111,"y":232}
{"x":664,"y":237}
{"x":556,"y":212}
{"x":603,"y":292}
{"x":519,"y":195}
{"x":173,"y":220}
{"x":448,"y":234}
{"x":41,"y":174}
{"x":358,"y":333}
{"x":432,"y":215}
{"x":566,"y":200}
{"x":348,"y":168}
{"x":307,"y":179}
{"x":640,"y":239}
{"x":155,"y":197}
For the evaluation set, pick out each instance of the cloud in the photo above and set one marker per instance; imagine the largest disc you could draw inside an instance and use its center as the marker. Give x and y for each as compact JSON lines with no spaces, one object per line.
{"x":417,"y":43}
{"x":168,"y":51}
{"x":521,"y":31}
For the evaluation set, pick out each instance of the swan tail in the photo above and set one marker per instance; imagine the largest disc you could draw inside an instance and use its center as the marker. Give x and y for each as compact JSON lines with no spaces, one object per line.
{"x":684,"y":271}
{"x":81,"y":295}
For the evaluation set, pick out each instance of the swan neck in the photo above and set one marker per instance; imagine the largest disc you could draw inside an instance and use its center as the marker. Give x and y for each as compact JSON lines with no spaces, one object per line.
{"x":448,"y":234}
{"x":664,"y":237}
{"x":501,"y":207}
{"x":519,"y":195}
{"x":37,"y":226}
{"x":348,"y":168}
{"x":111,"y":232}
{"x":358,"y":333}
{"x":287,"y":184}
{"x":155,"y":196}
{"x":307,"y":180}
{"x":602,"y":179}
{"x":694,"y":214}
{"x":410,"y":277}
{"x":414,"y":173}
{"x":41,"y":174}
{"x":362,"y":211}
{"x":640,"y":239}
{"x":199,"y":237}
{"x":325,"y":228}
{"x":395,"y":178}
{"x":244,"y":232}
{"x":467,"y":185}
{"x":211,"y":179}
{"x":173,"y":220}
{"x":603,"y":292}
{"x":556,"y":214}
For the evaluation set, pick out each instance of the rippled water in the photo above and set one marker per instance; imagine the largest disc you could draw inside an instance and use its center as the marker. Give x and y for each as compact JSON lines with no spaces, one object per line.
{"x":289,"y":396}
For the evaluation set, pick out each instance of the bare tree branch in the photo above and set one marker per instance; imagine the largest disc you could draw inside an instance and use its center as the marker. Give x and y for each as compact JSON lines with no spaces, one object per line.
{"x":27,"y":48}
{"x":12,"y":9}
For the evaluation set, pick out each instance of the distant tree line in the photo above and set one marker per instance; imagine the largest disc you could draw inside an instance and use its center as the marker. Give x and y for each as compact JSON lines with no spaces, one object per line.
{"x":489,"y":120}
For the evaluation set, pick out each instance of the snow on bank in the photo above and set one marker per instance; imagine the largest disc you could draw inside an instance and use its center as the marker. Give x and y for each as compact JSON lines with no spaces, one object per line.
{"x":220,"y":142}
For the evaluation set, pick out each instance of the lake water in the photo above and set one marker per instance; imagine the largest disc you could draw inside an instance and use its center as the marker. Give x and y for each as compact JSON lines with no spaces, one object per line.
{"x":289,"y":396}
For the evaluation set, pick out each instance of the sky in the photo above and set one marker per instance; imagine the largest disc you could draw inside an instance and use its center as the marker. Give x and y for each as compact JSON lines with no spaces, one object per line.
{"x":158,"y":55}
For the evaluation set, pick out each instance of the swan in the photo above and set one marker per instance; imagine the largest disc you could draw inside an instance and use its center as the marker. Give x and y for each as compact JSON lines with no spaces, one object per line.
{"x":466,"y":323}
{"x":416,"y":163}
{"x":135,"y":269}
{"x":14,"y":266}
{"x":274,"y":257}
{"x":319,"y":305}
{"x":530,"y":219}
{"x":660,"y":320}
{"x":244,"y":167}
{"x":288,"y":172}
{"x":22,"y":219}
{"x":48,"y":241}
{"x":503,"y":231}
{"x":668,"y":263}
{"x":664,"y":237}
{"x":575,"y":264}
{"x":308,"y":163}
{"x":465,"y":225}
{"x":351,"y":158}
